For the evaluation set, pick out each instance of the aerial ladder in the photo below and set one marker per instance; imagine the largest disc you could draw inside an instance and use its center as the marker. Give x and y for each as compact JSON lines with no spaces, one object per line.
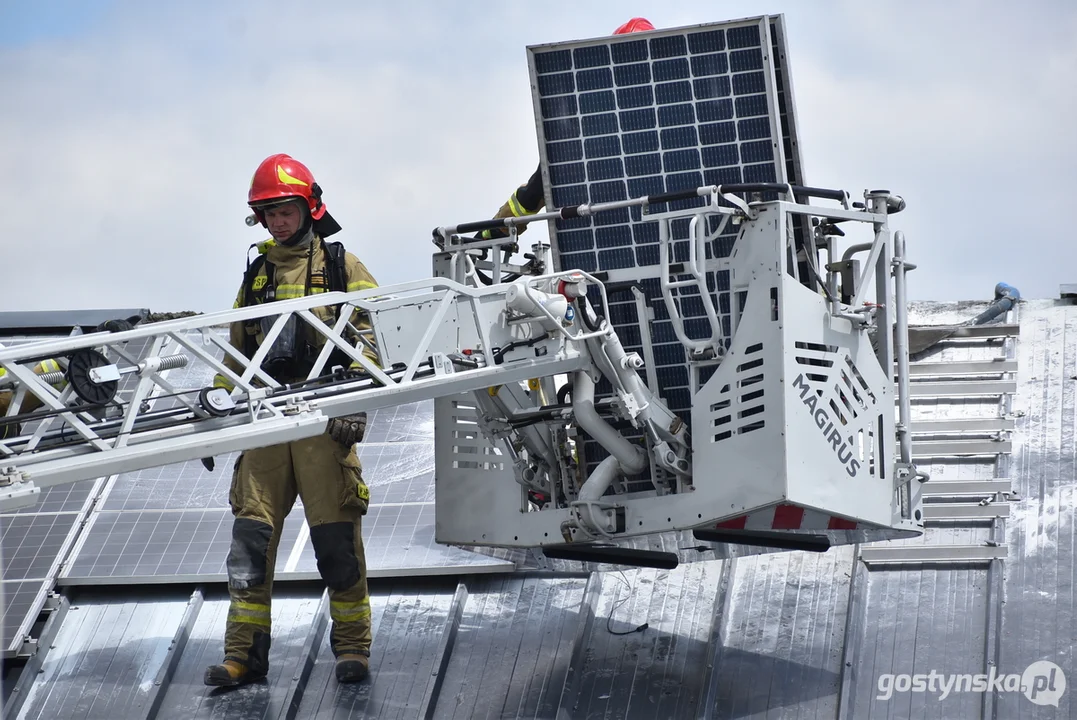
{"x":792,"y":440}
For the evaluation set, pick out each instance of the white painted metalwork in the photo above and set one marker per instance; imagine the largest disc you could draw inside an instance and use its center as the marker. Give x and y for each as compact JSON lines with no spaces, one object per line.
{"x":760,"y":459}
{"x":794,"y":431}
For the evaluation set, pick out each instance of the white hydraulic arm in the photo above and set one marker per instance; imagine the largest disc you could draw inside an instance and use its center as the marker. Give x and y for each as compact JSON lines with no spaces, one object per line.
{"x":434,"y":338}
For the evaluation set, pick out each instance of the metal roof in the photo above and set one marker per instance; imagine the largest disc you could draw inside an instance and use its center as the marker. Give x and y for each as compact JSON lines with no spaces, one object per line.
{"x":784,"y":635}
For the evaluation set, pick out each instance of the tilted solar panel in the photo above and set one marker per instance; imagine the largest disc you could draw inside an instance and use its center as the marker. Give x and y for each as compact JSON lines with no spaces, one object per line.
{"x":632,"y":115}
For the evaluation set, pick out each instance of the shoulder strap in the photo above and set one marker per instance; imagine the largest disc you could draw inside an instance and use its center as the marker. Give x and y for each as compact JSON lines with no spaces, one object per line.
{"x":253,"y":270}
{"x":249,"y":293}
{"x":335,"y":266}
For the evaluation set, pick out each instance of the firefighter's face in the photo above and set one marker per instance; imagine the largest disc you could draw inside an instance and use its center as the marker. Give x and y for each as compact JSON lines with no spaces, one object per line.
{"x":284,"y":220}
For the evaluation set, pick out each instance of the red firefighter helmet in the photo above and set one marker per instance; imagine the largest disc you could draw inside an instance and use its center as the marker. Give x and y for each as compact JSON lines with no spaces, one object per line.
{"x":281,"y":178}
{"x":634,"y":25}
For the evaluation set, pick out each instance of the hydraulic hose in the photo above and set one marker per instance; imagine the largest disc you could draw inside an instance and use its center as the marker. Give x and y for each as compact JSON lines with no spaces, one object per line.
{"x":631,"y":458}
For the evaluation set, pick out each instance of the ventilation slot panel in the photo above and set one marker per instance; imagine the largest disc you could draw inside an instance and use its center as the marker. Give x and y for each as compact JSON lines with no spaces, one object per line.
{"x":741,"y":408}
{"x":471,"y":450}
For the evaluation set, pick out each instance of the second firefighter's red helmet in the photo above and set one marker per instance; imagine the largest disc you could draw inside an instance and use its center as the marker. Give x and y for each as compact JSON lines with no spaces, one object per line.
{"x":634,"y":25}
{"x":281,"y":177}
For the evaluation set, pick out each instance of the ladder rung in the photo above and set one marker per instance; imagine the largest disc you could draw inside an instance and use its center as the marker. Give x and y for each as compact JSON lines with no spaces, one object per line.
{"x":962,"y":425}
{"x":960,"y":332}
{"x":965,"y":511}
{"x":922,"y":554}
{"x":972,"y":388}
{"x":941,"y":488}
{"x":946,"y":369}
{"x":946,"y":448}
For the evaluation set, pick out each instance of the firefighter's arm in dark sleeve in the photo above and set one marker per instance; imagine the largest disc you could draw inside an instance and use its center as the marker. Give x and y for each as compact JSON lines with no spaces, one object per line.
{"x":526,"y":200}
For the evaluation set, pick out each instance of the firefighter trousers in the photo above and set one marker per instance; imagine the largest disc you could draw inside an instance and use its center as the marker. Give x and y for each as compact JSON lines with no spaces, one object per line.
{"x":327,"y":477}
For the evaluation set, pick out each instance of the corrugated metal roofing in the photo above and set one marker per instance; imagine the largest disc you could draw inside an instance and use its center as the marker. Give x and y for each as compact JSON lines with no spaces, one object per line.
{"x":787,"y":635}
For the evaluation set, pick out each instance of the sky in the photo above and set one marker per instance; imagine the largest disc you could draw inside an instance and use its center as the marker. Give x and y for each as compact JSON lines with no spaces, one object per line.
{"x":131,"y":130}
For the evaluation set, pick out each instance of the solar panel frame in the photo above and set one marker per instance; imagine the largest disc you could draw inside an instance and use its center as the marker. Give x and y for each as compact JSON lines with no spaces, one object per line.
{"x":786,"y":99}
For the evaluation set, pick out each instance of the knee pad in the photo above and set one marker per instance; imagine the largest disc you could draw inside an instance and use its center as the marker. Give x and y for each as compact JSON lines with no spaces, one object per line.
{"x":247,"y":556}
{"x":334,"y":546}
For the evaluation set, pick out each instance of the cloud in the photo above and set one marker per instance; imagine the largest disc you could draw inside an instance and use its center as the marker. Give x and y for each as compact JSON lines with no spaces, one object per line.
{"x":964,"y":112}
{"x":131,"y":145}
{"x":136,"y":149}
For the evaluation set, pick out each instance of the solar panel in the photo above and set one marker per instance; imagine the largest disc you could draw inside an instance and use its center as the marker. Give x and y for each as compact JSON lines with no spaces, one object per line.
{"x":405,"y":423}
{"x":162,"y":545}
{"x":632,"y":115}
{"x":35,"y":537}
{"x":23,"y":600}
{"x":172,"y":487}
{"x":70,"y":497}
{"x":636,"y":115}
{"x":135,"y":537}
{"x":31,"y":544}
{"x":400,"y":539}
{"x":396,"y":472}
{"x":162,"y":523}
{"x":399,"y":472}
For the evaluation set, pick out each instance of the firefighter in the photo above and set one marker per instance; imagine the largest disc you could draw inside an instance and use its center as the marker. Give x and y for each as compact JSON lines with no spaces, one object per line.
{"x":528,"y":198}
{"x":324,"y":471}
{"x":30,"y":402}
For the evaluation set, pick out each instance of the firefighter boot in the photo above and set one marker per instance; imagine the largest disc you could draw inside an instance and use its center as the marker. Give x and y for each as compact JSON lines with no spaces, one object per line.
{"x":352,"y":667}
{"x":229,"y":674}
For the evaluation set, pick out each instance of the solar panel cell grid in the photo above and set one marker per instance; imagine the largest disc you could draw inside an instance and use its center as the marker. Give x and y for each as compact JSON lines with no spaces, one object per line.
{"x":31,"y":543}
{"x":638,"y":116}
{"x":22,"y":598}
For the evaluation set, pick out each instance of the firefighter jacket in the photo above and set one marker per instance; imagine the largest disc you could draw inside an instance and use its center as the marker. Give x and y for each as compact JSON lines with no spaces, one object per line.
{"x":289,"y":273}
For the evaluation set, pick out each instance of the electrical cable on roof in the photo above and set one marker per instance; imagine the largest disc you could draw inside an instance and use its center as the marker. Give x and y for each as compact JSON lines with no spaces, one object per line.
{"x":619,"y":603}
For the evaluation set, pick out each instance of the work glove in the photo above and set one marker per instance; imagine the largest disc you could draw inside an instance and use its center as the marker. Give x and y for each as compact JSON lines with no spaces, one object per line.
{"x":118,"y":325}
{"x":347,"y":430}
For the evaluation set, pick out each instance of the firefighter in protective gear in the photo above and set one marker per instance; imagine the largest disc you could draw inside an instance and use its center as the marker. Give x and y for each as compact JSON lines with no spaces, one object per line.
{"x":528,"y":199}
{"x":30,"y":402}
{"x":324,"y":471}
